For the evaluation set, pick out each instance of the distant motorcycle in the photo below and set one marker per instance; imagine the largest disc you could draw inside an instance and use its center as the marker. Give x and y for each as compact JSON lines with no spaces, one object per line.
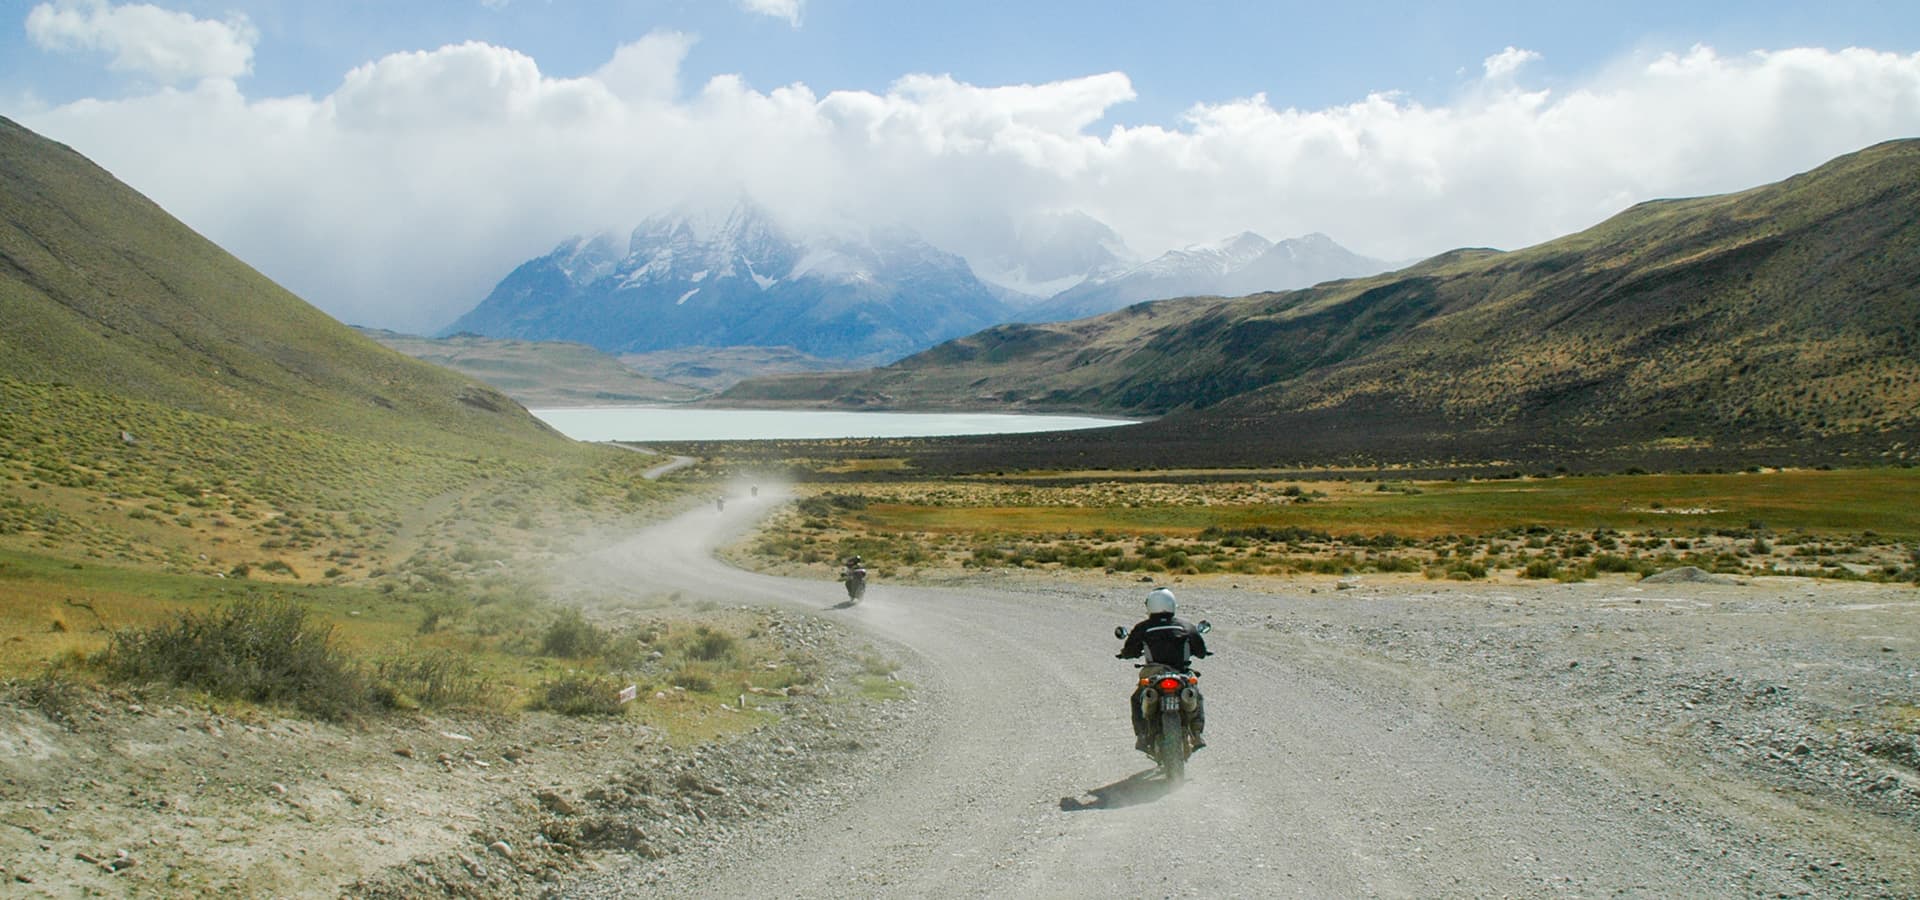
{"x":856,"y":581}
{"x":1167,"y":698}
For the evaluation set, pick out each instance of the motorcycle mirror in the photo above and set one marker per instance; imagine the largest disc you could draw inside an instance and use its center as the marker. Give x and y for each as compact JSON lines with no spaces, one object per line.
{"x":1204,"y":626}
{"x":1120,"y":631}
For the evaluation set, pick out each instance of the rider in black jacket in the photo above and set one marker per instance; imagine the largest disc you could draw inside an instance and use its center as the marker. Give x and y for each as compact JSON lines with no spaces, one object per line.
{"x":1168,"y":642}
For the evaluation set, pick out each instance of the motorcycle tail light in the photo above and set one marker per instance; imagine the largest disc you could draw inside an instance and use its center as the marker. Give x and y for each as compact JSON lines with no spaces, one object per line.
{"x":1169,"y":685}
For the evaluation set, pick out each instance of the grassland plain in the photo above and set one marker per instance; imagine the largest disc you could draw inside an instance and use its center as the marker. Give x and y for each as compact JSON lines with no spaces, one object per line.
{"x":1854,"y":524}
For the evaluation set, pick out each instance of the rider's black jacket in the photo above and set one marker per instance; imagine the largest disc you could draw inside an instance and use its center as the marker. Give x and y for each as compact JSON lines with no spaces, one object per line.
{"x":1165,"y":640}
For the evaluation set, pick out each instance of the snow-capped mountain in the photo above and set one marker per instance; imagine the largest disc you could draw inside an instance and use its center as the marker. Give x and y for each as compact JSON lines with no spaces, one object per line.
{"x":1046,"y":253}
{"x":741,"y":279}
{"x":1245,"y":263}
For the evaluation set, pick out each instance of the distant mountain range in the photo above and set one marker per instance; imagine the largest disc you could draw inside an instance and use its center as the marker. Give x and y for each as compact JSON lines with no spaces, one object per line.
{"x":860,"y":294}
{"x":741,"y":280}
{"x":1781,"y":322}
{"x":1243,"y":264}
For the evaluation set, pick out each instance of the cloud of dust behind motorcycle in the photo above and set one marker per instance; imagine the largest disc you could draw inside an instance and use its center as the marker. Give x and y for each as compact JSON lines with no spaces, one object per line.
{"x":614,"y":568}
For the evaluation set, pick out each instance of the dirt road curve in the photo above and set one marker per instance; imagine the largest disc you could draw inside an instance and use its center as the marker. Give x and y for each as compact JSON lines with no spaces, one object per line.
{"x":1326,"y":776}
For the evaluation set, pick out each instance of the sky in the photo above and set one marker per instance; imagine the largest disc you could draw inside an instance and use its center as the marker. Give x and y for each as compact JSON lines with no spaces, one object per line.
{"x":391,"y":162}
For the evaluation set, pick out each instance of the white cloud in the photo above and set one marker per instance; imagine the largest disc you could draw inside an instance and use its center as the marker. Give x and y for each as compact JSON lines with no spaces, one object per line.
{"x":1508,"y":62}
{"x":779,"y":9}
{"x":647,"y":69}
{"x":400,"y":198}
{"x":168,"y":46}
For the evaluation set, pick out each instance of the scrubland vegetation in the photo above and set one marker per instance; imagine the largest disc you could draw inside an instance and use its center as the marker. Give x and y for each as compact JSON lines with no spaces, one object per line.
{"x":328,"y":574}
{"x":1860,"y":524}
{"x":335,"y":652}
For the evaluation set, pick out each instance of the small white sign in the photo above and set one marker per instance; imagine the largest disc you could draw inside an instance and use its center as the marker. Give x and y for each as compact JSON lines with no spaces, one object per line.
{"x":629,"y":692}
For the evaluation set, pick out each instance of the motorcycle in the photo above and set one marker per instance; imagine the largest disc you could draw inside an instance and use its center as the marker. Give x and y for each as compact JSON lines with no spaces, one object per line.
{"x":856,"y":580}
{"x":1168,"y":699}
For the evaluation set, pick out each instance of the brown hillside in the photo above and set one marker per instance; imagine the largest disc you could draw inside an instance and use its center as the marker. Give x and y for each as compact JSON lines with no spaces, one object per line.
{"x":1781,"y":318}
{"x":103,"y":290}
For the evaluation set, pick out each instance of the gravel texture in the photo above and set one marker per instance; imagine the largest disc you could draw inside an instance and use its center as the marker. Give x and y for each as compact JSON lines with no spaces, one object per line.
{"x":1403,"y":738}
{"x":1368,"y":737}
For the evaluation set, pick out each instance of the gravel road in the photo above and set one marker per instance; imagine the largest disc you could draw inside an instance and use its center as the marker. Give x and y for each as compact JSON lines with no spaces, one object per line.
{"x":1409,"y":741}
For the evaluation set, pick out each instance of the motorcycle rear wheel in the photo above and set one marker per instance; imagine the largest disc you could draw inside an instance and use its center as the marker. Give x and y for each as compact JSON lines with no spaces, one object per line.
{"x":1173,"y":753}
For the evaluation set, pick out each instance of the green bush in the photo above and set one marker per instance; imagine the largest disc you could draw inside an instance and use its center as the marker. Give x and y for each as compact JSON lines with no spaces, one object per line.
{"x":1467,"y":571}
{"x":694,"y":676}
{"x":1608,"y":562}
{"x":704,"y":644}
{"x":572,"y":636}
{"x":433,"y":678}
{"x":580,"y":694}
{"x":1539,"y":568}
{"x":264,"y":651}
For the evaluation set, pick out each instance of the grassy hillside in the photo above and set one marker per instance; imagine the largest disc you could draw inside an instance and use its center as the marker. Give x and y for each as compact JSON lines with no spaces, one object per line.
{"x":538,"y":373}
{"x":718,"y":368}
{"x":163,"y":404}
{"x":105,"y":291}
{"x":1783,"y":318}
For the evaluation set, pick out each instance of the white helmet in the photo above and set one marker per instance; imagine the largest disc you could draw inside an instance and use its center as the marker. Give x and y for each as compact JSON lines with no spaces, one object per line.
{"x":1159,"y":600}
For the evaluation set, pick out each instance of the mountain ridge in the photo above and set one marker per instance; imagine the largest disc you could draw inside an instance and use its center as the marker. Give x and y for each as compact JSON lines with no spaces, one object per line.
{"x":104,"y":290}
{"x":1234,"y":266}
{"x":865,"y":294}
{"x":857,"y":294}
{"x":1784,"y":316}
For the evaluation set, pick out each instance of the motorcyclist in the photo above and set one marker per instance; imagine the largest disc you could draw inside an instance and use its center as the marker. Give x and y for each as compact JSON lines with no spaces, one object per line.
{"x":1169,"y":644}
{"x":855,"y":575}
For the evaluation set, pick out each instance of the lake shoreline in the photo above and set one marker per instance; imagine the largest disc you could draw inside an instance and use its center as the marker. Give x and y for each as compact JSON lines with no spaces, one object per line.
{"x":658,"y":423}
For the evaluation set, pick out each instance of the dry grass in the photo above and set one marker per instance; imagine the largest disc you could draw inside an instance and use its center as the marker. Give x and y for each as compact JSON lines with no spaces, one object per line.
{"x":1842,"y":524}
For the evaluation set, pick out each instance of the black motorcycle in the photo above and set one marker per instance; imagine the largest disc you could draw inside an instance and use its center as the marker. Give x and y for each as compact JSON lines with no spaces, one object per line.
{"x":1168,"y":698}
{"x":856,"y":579}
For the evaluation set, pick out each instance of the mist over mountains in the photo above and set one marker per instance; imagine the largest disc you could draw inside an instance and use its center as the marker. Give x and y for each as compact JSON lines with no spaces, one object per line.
{"x":864,"y":294}
{"x":688,"y":280}
{"x":1243,"y":264}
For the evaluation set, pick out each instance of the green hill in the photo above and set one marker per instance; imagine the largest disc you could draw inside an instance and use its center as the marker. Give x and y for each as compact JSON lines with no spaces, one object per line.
{"x":163,"y":403}
{"x":103,"y":290}
{"x":1782,"y":320}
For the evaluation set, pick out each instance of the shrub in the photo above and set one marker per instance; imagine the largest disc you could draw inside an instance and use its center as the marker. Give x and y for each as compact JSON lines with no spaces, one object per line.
{"x":694,"y":676}
{"x":580,"y":694}
{"x":572,"y":636}
{"x":1608,"y":562}
{"x":434,"y":678}
{"x":264,"y":651}
{"x":1539,"y":568}
{"x":1467,"y":571}
{"x":705,"y":644}
{"x":56,"y":696}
